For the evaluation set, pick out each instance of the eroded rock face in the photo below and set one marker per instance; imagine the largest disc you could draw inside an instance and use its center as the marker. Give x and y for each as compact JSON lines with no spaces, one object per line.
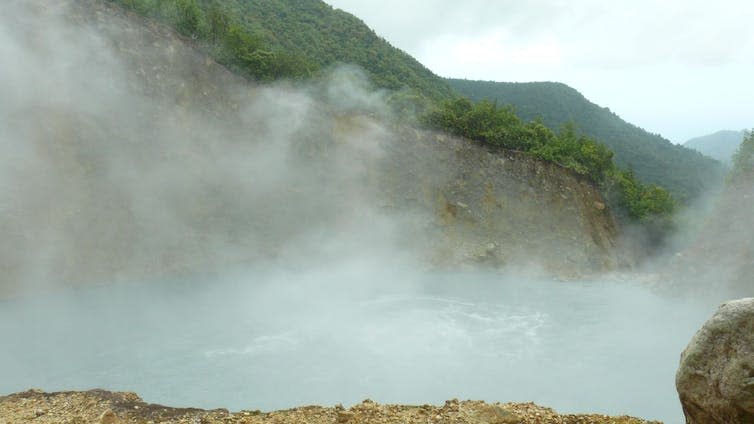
{"x":715,"y":380}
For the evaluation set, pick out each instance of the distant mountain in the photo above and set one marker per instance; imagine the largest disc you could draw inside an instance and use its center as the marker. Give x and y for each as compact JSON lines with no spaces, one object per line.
{"x":720,"y":145}
{"x":685,"y":172}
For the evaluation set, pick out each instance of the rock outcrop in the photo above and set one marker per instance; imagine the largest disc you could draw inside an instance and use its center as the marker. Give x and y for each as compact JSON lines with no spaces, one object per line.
{"x":715,"y":380}
{"x":102,"y":407}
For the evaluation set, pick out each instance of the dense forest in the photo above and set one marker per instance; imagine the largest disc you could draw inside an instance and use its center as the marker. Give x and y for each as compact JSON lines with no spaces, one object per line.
{"x":272,"y":39}
{"x":653,"y":159}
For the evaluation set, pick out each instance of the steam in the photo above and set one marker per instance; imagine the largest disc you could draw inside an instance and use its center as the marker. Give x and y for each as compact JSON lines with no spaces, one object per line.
{"x":715,"y":256}
{"x":108,"y":178}
{"x":125,"y":157}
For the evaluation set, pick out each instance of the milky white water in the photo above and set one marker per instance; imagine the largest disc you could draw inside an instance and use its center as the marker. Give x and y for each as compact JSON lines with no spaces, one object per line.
{"x":271,"y":340}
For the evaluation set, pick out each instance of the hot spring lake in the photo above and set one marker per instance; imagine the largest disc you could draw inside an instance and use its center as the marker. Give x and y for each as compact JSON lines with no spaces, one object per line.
{"x":277,"y":339}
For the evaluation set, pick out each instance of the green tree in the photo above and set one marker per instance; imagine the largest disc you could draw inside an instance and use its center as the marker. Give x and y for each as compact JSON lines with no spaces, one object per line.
{"x":189,"y":17}
{"x":743,"y":159}
{"x":218,"y":20}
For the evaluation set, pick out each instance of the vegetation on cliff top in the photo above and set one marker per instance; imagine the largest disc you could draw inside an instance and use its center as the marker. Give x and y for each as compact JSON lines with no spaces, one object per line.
{"x":654,"y":160}
{"x":499,"y":126}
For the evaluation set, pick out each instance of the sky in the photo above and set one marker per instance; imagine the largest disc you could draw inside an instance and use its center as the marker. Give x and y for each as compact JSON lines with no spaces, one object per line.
{"x":680,"y":68}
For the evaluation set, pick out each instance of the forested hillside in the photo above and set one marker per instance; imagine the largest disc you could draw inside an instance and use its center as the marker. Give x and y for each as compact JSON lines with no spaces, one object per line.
{"x":720,"y":145}
{"x":652,"y":158}
{"x":271,"y":39}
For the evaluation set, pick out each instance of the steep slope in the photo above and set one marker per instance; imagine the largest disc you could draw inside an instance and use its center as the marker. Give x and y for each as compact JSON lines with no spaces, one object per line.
{"x":686,"y":173}
{"x":330,"y":36}
{"x":720,"y":145}
{"x":503,"y":209}
{"x":130,"y":155}
{"x":721,"y":258}
{"x":283,"y":38}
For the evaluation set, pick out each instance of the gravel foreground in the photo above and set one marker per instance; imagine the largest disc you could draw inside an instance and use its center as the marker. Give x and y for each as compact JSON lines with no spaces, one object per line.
{"x":103,"y":407}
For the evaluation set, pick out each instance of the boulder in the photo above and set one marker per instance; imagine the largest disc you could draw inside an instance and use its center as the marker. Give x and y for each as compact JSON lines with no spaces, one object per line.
{"x":715,"y":380}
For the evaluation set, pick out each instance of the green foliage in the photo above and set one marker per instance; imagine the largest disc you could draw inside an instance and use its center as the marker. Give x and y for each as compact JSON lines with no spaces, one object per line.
{"x":580,"y":153}
{"x":640,"y":201}
{"x":655,"y":160}
{"x":223,"y":33}
{"x":650,"y":205}
{"x":743,"y":159}
{"x":188,"y":17}
{"x":140,"y":6}
{"x":270,"y":39}
{"x":483,"y":121}
{"x":499,"y":126}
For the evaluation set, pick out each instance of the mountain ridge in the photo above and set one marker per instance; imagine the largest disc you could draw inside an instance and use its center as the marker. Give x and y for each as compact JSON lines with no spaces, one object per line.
{"x":720,"y":145}
{"x":653,"y":159}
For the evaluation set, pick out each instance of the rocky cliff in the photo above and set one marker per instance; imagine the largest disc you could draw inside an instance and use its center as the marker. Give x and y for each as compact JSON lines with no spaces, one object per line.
{"x":128,"y":154}
{"x":496,"y":207}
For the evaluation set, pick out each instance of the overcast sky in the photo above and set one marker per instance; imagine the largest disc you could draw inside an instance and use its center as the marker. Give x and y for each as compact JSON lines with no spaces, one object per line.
{"x":681,"y":68}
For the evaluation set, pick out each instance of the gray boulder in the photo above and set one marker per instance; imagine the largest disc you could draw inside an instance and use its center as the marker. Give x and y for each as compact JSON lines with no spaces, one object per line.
{"x":715,"y":380}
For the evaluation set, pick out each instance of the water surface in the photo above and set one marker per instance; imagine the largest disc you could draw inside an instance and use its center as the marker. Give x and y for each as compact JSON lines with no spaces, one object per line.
{"x":271,"y":340}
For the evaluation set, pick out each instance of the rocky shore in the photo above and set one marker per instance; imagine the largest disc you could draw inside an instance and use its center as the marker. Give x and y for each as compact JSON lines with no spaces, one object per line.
{"x":103,"y":407}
